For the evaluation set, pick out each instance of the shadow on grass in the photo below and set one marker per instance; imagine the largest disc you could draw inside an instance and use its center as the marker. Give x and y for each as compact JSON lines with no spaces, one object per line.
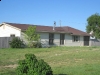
{"x":60,"y":74}
{"x":13,"y":73}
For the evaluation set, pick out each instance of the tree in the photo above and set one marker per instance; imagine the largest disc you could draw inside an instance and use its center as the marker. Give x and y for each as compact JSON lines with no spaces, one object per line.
{"x":94,"y":25}
{"x":32,"y":34}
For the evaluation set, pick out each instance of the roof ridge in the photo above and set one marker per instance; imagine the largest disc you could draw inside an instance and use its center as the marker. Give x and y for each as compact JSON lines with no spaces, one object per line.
{"x":17,"y":23}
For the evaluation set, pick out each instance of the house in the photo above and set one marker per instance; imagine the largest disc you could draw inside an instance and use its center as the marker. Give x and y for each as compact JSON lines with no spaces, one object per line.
{"x":66,"y":36}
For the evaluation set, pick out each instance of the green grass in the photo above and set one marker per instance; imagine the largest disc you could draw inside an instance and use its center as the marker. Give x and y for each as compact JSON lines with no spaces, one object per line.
{"x":63,"y":60}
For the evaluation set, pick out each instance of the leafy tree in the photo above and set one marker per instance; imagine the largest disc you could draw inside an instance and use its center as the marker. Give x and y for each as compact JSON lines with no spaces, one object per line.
{"x":94,"y":25}
{"x":32,"y":34}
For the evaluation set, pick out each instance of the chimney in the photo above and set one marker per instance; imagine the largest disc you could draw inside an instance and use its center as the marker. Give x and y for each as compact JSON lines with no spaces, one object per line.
{"x":54,"y":25}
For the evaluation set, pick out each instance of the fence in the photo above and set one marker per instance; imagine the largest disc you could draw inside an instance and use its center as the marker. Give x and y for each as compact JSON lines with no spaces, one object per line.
{"x":4,"y":42}
{"x":94,"y":42}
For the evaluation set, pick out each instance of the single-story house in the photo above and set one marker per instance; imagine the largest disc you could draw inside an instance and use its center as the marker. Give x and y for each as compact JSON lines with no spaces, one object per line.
{"x":49,"y":35}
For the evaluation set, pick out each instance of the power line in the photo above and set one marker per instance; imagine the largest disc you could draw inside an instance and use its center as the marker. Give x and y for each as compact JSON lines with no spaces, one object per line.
{"x":74,"y":22}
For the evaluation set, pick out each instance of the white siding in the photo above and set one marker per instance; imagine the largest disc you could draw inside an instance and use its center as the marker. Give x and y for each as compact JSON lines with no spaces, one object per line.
{"x":7,"y":30}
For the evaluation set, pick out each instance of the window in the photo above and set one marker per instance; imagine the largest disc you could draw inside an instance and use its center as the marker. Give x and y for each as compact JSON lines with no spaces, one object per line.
{"x":12,"y":35}
{"x":75,"y":38}
{"x":51,"y":38}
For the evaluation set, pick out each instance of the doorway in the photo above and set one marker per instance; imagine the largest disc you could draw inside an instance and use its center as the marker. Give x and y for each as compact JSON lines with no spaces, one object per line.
{"x":86,"y":40}
{"x":62,"y":38}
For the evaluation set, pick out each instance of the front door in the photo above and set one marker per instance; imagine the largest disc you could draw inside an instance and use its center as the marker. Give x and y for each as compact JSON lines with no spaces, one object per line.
{"x":86,"y":40}
{"x":62,"y":37}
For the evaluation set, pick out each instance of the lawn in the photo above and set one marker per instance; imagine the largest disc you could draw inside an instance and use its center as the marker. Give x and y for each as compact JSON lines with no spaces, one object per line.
{"x":63,"y":60}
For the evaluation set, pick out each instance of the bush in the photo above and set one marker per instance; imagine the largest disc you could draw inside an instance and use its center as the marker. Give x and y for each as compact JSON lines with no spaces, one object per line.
{"x":35,"y":44}
{"x":16,"y":43}
{"x":32,"y":66}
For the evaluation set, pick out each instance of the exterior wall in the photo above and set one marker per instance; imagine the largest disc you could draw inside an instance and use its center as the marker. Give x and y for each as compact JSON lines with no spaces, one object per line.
{"x":69,"y":42}
{"x":56,"y":39}
{"x":24,"y":37}
{"x":7,"y":30}
{"x":44,"y":38}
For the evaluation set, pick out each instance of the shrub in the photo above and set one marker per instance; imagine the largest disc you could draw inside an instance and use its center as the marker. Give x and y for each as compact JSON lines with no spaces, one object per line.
{"x":16,"y":43}
{"x":32,"y":66}
{"x":35,"y":44}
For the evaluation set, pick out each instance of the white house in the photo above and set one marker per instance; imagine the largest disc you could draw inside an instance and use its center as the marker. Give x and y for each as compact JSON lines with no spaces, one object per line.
{"x":49,"y":35}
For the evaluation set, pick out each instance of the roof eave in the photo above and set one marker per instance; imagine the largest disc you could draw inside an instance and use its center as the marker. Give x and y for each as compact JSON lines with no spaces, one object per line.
{"x":81,"y":34}
{"x":52,"y":32}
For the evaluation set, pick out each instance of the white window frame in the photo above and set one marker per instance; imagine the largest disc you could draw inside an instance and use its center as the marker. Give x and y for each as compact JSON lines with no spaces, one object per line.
{"x":75,"y":38}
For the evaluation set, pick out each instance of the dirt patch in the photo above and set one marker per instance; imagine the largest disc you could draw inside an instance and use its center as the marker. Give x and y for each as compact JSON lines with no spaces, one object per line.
{"x":77,"y":60}
{"x":11,"y":66}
